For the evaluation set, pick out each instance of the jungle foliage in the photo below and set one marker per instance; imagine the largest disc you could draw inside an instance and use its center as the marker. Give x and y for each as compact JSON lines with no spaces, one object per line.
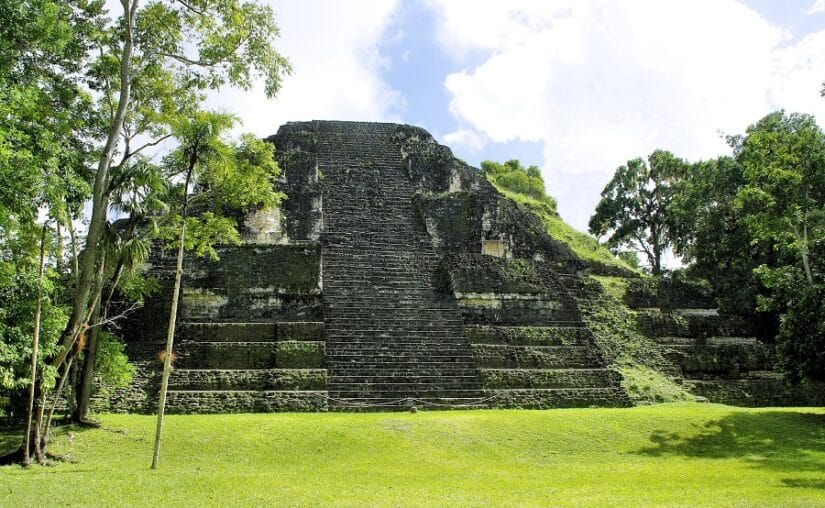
{"x":751,"y":223}
{"x":88,"y":99}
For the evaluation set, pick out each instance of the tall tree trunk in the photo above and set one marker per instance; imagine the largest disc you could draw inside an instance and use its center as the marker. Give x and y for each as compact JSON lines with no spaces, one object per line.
{"x":73,"y":240}
{"x":97,"y":290}
{"x":58,"y":254}
{"x":89,"y":256}
{"x":87,"y":376}
{"x":173,"y":313}
{"x":35,"y":347}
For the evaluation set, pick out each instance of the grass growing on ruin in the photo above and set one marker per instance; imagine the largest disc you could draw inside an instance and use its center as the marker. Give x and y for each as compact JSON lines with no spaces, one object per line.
{"x":584,"y":245}
{"x":625,"y":348}
{"x":687,"y":455}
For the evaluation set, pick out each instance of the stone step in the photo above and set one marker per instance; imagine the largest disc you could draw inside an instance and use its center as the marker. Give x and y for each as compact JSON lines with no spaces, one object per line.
{"x":250,"y":355}
{"x":530,"y":335}
{"x":729,"y":360}
{"x":226,"y":331}
{"x":244,"y":401}
{"x":368,"y":387}
{"x":405,"y":339}
{"x":690,"y":323}
{"x":422,"y":339}
{"x":409,"y":370}
{"x":388,"y":379}
{"x":709,"y":341}
{"x":364,"y":404}
{"x":549,"y":378}
{"x":300,"y":330}
{"x":389,"y":361}
{"x":248,"y":379}
{"x":546,"y":398}
{"x":547,"y":357}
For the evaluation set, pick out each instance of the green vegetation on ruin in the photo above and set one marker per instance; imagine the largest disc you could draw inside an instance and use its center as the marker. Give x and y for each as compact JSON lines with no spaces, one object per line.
{"x":677,"y":454}
{"x":584,"y":245}
{"x":638,"y":358}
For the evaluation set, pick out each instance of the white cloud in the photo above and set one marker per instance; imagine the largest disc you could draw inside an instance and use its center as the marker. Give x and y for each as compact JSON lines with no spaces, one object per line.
{"x":601,"y":82}
{"x":817,"y":7}
{"x":333,"y":48}
{"x":467,"y":138}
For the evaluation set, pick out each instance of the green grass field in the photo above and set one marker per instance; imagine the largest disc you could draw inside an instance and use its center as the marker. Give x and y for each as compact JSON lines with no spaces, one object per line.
{"x":668,"y":455}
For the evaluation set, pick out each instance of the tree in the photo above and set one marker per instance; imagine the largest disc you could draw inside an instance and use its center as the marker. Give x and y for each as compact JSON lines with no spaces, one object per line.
{"x":633,"y":208}
{"x":147,"y":69}
{"x":782,"y":202}
{"x":45,"y":118}
{"x":709,"y":235}
{"x":217,"y":176}
{"x":512,"y":176}
{"x":783,"y":199}
{"x":154,"y":64}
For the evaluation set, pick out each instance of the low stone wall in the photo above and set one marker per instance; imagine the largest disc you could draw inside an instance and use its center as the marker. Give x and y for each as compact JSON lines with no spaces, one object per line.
{"x":245,"y":401}
{"x":759,"y":392}
{"x":558,"y":398}
{"x":558,"y":378}
{"x":538,"y":357}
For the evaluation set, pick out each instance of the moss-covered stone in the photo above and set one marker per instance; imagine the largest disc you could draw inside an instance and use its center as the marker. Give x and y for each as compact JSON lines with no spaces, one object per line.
{"x":529,"y":335}
{"x":549,"y":378}
{"x":300,"y":354}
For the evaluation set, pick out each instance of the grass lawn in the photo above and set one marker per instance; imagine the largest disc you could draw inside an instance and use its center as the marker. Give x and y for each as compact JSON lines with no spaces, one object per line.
{"x":672,"y":455}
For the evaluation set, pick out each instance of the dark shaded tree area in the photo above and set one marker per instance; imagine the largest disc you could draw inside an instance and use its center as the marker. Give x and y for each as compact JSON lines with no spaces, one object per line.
{"x":85,"y":97}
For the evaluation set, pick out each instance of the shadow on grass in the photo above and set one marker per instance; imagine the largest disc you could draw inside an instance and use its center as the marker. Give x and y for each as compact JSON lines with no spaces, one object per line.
{"x":9,"y":440}
{"x":780,"y":441}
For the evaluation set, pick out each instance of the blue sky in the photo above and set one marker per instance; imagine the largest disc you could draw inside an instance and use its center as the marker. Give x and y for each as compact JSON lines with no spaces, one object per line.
{"x":576,"y":87}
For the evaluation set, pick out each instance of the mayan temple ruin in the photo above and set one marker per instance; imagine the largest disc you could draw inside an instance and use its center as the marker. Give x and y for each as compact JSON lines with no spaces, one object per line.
{"x":395,"y":275}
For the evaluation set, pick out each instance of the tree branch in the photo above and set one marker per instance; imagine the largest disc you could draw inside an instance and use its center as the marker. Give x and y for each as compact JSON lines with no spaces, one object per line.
{"x":191,"y":8}
{"x":152,"y":143}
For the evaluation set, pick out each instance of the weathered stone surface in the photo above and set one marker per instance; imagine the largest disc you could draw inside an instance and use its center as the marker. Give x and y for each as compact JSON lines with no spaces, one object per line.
{"x":394,"y":274}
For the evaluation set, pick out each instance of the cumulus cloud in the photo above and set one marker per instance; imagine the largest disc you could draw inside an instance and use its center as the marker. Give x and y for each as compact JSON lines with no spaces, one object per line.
{"x":466,"y":138}
{"x":334,"y":49}
{"x":818,"y":6}
{"x":602,"y":82}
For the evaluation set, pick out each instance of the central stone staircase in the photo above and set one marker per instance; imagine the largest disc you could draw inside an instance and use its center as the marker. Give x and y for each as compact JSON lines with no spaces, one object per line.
{"x":392,"y":339}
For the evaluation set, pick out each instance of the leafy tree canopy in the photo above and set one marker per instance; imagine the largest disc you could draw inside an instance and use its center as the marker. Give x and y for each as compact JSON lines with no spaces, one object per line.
{"x":514,"y":177}
{"x":632,"y":211}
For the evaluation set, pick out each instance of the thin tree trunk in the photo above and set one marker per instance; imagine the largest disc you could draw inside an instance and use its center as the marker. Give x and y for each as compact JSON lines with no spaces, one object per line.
{"x":803,"y":249}
{"x":59,"y":248}
{"x":44,"y":435}
{"x":35,"y":347}
{"x":41,"y":405}
{"x":170,"y":334}
{"x":115,"y":282}
{"x":89,"y":255}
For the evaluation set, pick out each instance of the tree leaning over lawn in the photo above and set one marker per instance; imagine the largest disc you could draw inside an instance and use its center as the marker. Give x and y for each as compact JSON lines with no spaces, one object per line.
{"x":633,"y":209}
{"x":154,"y":64}
{"x":217,"y":177}
{"x":45,"y":120}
